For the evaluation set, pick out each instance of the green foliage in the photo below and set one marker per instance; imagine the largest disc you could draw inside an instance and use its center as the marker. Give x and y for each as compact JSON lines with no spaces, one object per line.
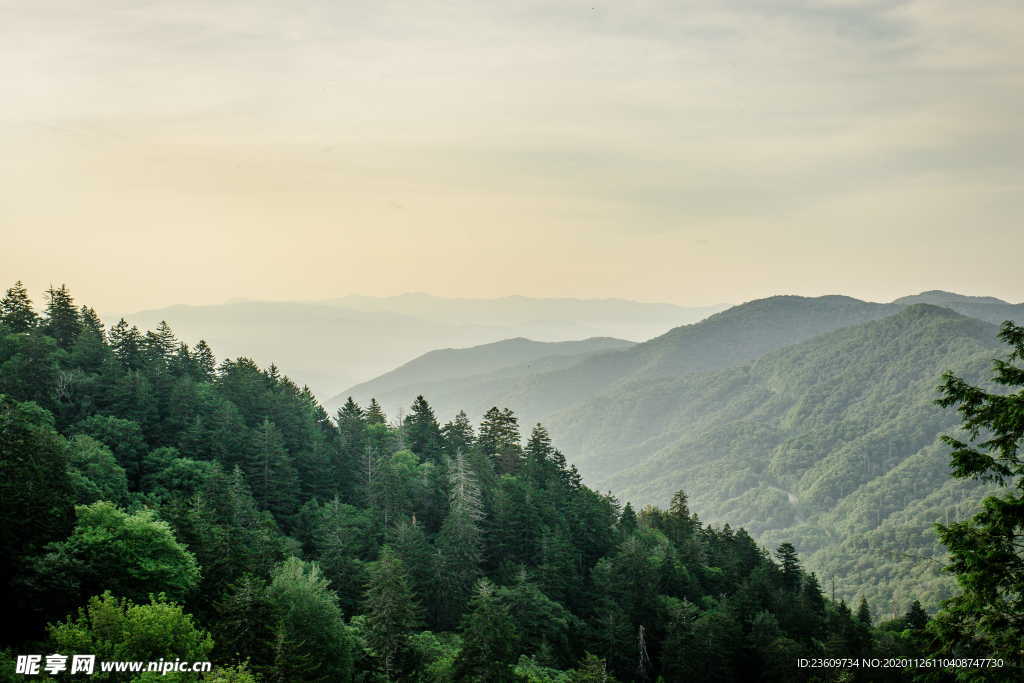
{"x":831,"y":444}
{"x":392,"y":612}
{"x":422,"y":432}
{"x":986,"y":557}
{"x":311,"y":642}
{"x":36,"y":493}
{"x":118,"y":629}
{"x":489,"y":638}
{"x":123,"y":437}
{"x":61,"y":320}
{"x":229,"y":535}
{"x":342,"y":537}
{"x":94,"y":472}
{"x":232,"y":473}
{"x":16,"y":311}
{"x":132,"y":555}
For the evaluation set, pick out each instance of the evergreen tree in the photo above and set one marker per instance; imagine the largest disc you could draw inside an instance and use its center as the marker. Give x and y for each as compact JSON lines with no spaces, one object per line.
{"x":457,"y":435}
{"x":244,"y":628}
{"x":343,"y":539}
{"x":537,"y":456}
{"x":229,"y":535}
{"x":985,"y":615}
{"x":91,"y":321}
{"x":311,"y":641}
{"x":275,"y":483}
{"x":422,"y":433}
{"x":61,"y":321}
{"x":410,"y":545}
{"x":459,"y":543}
{"x":790,"y":565}
{"x":499,"y":439}
{"x":488,"y":638}
{"x":127,"y":343}
{"x":392,"y":611}
{"x":375,"y":414}
{"x":16,"y":311}
{"x":205,"y":361}
{"x":864,"y":613}
{"x":159,"y":345}
{"x":916,"y":618}
{"x":627,"y":522}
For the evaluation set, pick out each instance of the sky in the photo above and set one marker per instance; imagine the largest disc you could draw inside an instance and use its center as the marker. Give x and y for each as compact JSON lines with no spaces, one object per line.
{"x":188,"y":151}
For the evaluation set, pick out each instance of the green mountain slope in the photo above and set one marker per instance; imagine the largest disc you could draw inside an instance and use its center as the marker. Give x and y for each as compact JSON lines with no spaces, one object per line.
{"x":723,"y":340}
{"x":831,"y":443}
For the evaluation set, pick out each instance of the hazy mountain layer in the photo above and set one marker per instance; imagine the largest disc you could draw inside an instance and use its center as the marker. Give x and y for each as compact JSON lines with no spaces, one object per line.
{"x":333,"y":344}
{"x":725,"y":339}
{"x":452,"y":373}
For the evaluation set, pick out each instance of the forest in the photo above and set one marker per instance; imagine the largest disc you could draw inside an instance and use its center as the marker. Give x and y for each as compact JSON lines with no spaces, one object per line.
{"x":159,"y":503}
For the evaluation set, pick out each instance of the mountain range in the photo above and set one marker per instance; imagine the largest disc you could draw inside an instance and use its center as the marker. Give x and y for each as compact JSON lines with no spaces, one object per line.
{"x":335,"y":343}
{"x":810,"y":420}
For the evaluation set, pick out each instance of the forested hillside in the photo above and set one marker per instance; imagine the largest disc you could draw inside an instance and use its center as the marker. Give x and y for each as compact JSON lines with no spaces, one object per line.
{"x":817,"y":427}
{"x":832,"y":444}
{"x":156,"y":503}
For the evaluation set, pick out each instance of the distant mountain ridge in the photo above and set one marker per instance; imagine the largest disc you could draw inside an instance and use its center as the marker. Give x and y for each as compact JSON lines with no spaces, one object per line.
{"x":940,"y":297}
{"x":438,"y":369}
{"x":737,"y":335}
{"x":332,"y":344}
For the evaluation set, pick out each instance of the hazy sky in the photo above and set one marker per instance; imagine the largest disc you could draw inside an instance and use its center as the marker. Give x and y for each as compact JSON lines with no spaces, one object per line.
{"x":694,"y":152}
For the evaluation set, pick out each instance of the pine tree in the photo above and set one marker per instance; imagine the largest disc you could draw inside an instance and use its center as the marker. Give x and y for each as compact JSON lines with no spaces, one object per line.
{"x":537,"y":456}
{"x":205,"y":361}
{"x":392,"y":611}
{"x":499,"y":439}
{"x":352,"y":447}
{"x":489,"y":638}
{"x":16,"y":310}
{"x":864,"y":613}
{"x":374,"y":414}
{"x":91,"y":321}
{"x":127,"y":344}
{"x":459,"y":543}
{"x":62,"y":321}
{"x":422,"y":433}
{"x":274,"y":480}
{"x":159,"y":345}
{"x":457,"y":435}
{"x":915,"y":618}
{"x":627,"y":522}
{"x":984,"y":618}
{"x":411,"y":546}
{"x":790,"y":565}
